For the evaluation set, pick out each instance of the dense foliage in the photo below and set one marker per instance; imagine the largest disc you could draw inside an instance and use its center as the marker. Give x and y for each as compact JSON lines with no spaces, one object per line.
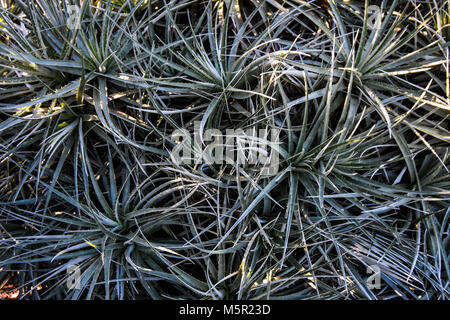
{"x":87,"y":114}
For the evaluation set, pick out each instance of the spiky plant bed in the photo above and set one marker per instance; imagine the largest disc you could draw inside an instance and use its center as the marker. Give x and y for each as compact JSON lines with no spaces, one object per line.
{"x":93,"y":205}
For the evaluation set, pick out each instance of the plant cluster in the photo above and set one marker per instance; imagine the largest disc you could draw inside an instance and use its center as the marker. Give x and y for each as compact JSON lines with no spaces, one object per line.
{"x":88,"y":187}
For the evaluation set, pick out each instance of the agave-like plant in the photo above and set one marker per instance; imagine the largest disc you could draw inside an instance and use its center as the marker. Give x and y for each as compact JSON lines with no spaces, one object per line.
{"x":93,"y":205}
